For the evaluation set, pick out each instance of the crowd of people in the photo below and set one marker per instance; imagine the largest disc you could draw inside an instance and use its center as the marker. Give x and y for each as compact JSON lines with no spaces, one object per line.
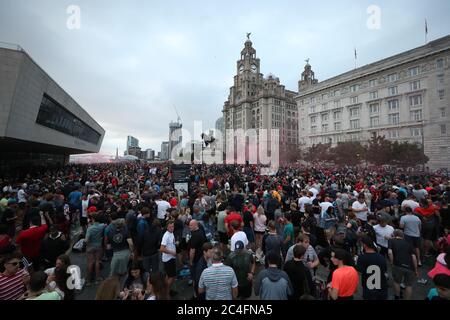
{"x":302,"y":233}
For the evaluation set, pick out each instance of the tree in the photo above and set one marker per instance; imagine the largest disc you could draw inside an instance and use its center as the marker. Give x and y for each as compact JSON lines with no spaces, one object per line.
{"x":348,"y":153}
{"x":318,"y":152}
{"x":379,"y":151}
{"x":407,"y":154}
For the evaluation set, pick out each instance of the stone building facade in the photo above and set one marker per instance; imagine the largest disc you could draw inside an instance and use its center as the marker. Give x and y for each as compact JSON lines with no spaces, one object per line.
{"x":405,"y":97}
{"x":258,"y":102}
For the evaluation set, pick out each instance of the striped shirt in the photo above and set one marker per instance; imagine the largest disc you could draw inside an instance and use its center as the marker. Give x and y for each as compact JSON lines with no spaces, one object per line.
{"x":12,"y":287}
{"x":218,"y":281}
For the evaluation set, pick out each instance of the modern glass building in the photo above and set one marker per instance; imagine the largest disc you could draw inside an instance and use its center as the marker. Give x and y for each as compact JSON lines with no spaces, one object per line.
{"x":40,"y":124}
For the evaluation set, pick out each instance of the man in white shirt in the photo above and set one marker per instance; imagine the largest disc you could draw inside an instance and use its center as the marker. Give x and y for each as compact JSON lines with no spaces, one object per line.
{"x":410,"y":202}
{"x":304,"y":199}
{"x":163,"y":205}
{"x":314,"y":191}
{"x":383,"y":233}
{"x":360,"y":209}
{"x":169,"y":253}
{"x":325,"y":205}
{"x":237,"y":235}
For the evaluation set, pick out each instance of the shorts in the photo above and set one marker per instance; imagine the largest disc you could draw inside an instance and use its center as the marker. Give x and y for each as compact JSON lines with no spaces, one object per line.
{"x":223,"y":237}
{"x":403,"y":275}
{"x":119,"y":262}
{"x":414,"y":241}
{"x":429,"y":232}
{"x":95,"y":253}
{"x":250,"y":235}
{"x":170,"y":268}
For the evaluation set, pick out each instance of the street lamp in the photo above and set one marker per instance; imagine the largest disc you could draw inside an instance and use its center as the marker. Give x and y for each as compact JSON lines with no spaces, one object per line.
{"x":423,"y":142}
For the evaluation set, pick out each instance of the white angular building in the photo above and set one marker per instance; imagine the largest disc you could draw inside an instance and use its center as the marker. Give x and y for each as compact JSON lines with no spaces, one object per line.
{"x":40,"y":123}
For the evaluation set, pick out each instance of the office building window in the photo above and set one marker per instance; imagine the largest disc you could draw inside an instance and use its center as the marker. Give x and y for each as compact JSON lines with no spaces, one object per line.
{"x":336,"y":93}
{"x":324,"y":106}
{"x":393,"y":105}
{"x":416,"y":132}
{"x":353,"y":100}
{"x":440,"y":63}
{"x":415,"y":100}
{"x":372,"y":83}
{"x":374,"y":121}
{"x":354,"y":124}
{"x":374,"y":108}
{"x":394,"y":118}
{"x":312,"y":109}
{"x":413,"y":71}
{"x":440,"y":78}
{"x":325,"y":117}
{"x":313,"y":100}
{"x":393,"y":134}
{"x":313,"y":119}
{"x":392,"y":77}
{"x":337,"y":103}
{"x":443,"y":113}
{"x":337,"y":126}
{"x":415,"y":85}
{"x":325,"y":128}
{"x":441,"y":94}
{"x":354,"y":88}
{"x":53,"y":115}
{"x":354,"y":112}
{"x":393,"y":90}
{"x":373,"y":95}
{"x":324,"y":96}
{"x":313,"y":129}
{"x":416,"y":115}
{"x":443,"y":129}
{"x":337,"y":115}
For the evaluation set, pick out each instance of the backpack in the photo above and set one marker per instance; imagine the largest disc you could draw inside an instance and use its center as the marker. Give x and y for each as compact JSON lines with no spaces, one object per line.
{"x":241,"y":264}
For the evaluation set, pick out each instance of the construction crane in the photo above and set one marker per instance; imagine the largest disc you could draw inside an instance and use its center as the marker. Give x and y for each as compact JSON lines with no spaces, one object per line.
{"x":178,"y":116}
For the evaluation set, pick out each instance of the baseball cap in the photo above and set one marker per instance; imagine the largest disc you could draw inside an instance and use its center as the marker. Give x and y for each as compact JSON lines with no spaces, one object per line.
{"x":239,"y":245}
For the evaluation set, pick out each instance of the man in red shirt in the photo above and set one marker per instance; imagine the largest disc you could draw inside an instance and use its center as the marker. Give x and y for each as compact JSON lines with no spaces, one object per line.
{"x":232,"y":217}
{"x":30,"y":240}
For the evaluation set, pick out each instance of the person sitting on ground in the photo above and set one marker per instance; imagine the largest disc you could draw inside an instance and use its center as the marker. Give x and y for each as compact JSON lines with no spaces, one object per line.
{"x":38,"y":288}
{"x":109,"y":289}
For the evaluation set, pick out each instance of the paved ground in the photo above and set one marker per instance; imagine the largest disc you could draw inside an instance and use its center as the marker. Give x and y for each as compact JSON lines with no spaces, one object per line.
{"x":185,"y":291}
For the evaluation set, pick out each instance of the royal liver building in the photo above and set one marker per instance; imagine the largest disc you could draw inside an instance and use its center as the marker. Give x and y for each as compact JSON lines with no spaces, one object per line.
{"x":258,"y":102}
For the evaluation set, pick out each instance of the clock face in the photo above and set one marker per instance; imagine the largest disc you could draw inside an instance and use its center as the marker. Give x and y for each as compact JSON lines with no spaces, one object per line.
{"x":241,"y":68}
{"x":254,"y":68}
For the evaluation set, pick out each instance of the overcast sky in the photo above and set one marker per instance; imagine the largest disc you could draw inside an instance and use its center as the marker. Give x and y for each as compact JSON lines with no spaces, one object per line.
{"x":132,"y":61}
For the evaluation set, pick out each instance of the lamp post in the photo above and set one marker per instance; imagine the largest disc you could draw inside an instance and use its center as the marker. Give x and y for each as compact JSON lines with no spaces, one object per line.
{"x":422,"y":135}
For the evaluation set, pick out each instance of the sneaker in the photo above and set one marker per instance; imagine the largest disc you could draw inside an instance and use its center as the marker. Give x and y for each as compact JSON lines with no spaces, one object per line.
{"x":190,"y":282}
{"x":422,"y":281}
{"x":402,"y":285}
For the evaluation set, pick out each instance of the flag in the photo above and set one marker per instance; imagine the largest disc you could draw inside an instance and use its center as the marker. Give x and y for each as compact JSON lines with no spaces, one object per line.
{"x":355,"y":54}
{"x":426,"y":27}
